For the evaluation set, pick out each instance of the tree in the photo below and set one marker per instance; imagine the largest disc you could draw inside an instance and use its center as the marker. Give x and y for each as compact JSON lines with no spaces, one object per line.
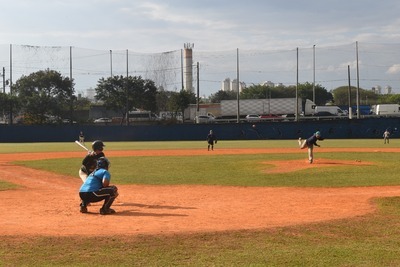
{"x":124,"y":94}
{"x":4,"y":102}
{"x":305,"y":91}
{"x":81,"y":108}
{"x":256,"y":92}
{"x":223,"y":95}
{"x":162,"y":100}
{"x":82,"y":103}
{"x":180,"y":101}
{"x":322,"y":96}
{"x":341,"y":96}
{"x":388,"y":99}
{"x":44,"y":93}
{"x":8,"y":103}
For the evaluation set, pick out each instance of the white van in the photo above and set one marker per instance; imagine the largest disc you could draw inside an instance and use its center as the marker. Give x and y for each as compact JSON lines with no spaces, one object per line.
{"x":138,"y":115}
{"x":386,"y":109}
{"x":334,"y":110}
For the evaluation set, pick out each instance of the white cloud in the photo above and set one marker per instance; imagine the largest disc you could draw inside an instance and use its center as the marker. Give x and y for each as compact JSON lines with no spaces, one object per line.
{"x":394,"y":69}
{"x":211,"y":25}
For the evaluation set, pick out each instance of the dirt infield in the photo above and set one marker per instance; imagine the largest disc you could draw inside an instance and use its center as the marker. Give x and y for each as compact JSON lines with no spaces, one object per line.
{"x":48,"y":204}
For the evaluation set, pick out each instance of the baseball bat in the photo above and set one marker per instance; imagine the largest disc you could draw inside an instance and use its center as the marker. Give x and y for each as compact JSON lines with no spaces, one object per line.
{"x":82,"y":175}
{"x":82,"y":146}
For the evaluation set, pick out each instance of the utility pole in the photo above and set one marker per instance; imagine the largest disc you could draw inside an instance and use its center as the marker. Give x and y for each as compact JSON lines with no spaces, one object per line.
{"x":111,"y":70}
{"x":4,"y":92}
{"x":237,"y":86}
{"x":198,"y":88}
{"x":313,"y":85}
{"x":11,"y":86}
{"x":4,"y":81}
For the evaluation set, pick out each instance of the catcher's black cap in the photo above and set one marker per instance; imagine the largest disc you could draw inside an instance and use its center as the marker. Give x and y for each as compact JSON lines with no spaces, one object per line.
{"x":103,"y":163}
{"x":98,"y":145}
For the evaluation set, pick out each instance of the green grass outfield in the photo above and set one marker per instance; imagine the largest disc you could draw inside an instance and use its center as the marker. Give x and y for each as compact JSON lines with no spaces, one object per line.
{"x":370,"y":240}
{"x":237,"y":170}
{"x":71,"y":146}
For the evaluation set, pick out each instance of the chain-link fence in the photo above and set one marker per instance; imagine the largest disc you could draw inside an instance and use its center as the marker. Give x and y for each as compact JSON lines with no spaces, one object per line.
{"x":378,"y":65}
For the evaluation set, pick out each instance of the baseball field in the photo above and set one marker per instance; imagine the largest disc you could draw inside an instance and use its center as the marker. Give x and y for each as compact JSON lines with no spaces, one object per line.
{"x":247,"y":203}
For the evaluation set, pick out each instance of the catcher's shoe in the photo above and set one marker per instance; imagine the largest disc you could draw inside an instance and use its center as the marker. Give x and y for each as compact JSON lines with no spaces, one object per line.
{"x":83,"y":209}
{"x":106,"y":211}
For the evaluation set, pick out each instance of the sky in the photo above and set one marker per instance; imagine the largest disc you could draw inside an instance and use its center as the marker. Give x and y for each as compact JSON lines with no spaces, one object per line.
{"x":164,"y":25}
{"x":154,"y":26}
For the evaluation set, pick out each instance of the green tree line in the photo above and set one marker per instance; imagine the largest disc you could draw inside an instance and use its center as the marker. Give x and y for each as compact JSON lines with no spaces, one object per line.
{"x":340,"y":96}
{"x":47,"y":95}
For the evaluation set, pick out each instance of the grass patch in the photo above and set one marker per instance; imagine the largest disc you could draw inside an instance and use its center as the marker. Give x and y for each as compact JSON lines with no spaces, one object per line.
{"x":238,"y":170}
{"x":71,"y":146}
{"x":370,"y":240}
{"x":7,"y":186}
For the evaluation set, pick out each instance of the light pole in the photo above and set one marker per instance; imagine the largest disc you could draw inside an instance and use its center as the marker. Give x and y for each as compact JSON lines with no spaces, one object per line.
{"x":313,"y":86}
{"x":4,"y":81}
{"x":3,"y":74}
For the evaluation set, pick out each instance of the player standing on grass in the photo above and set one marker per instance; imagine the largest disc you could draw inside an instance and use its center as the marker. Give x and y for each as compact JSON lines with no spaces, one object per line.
{"x":81,"y":138}
{"x":310,"y":143}
{"x":211,"y":139}
{"x":386,"y":136}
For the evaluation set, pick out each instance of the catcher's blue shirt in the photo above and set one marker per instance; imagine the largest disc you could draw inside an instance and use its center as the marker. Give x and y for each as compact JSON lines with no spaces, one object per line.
{"x":94,"y":181}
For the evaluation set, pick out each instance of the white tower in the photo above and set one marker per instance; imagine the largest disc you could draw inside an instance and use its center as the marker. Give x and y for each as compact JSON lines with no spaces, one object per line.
{"x":188,"y":69}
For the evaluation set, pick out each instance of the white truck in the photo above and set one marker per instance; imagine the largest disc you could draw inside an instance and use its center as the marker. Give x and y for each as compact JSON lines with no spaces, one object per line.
{"x":275,"y":106}
{"x":386,"y":109}
{"x":334,"y":110}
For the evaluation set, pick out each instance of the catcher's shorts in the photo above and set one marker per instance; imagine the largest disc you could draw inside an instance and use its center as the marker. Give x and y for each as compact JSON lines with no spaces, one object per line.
{"x":103,"y":194}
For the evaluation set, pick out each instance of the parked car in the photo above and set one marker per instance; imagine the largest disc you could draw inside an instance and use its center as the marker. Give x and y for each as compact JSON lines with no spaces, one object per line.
{"x":103,"y":120}
{"x":67,"y":121}
{"x":203,"y":119}
{"x":252,"y":117}
{"x":289,"y":117}
{"x":326,"y":115}
{"x":271,"y":117}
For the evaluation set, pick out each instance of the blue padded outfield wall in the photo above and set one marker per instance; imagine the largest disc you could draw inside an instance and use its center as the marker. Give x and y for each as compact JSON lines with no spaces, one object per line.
{"x":334,"y":129}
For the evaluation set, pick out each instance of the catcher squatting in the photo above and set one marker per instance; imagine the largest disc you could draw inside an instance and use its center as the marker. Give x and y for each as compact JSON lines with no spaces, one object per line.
{"x":96,"y":180}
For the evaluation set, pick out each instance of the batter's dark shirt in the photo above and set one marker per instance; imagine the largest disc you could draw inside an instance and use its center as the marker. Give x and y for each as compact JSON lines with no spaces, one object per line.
{"x":89,"y":163}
